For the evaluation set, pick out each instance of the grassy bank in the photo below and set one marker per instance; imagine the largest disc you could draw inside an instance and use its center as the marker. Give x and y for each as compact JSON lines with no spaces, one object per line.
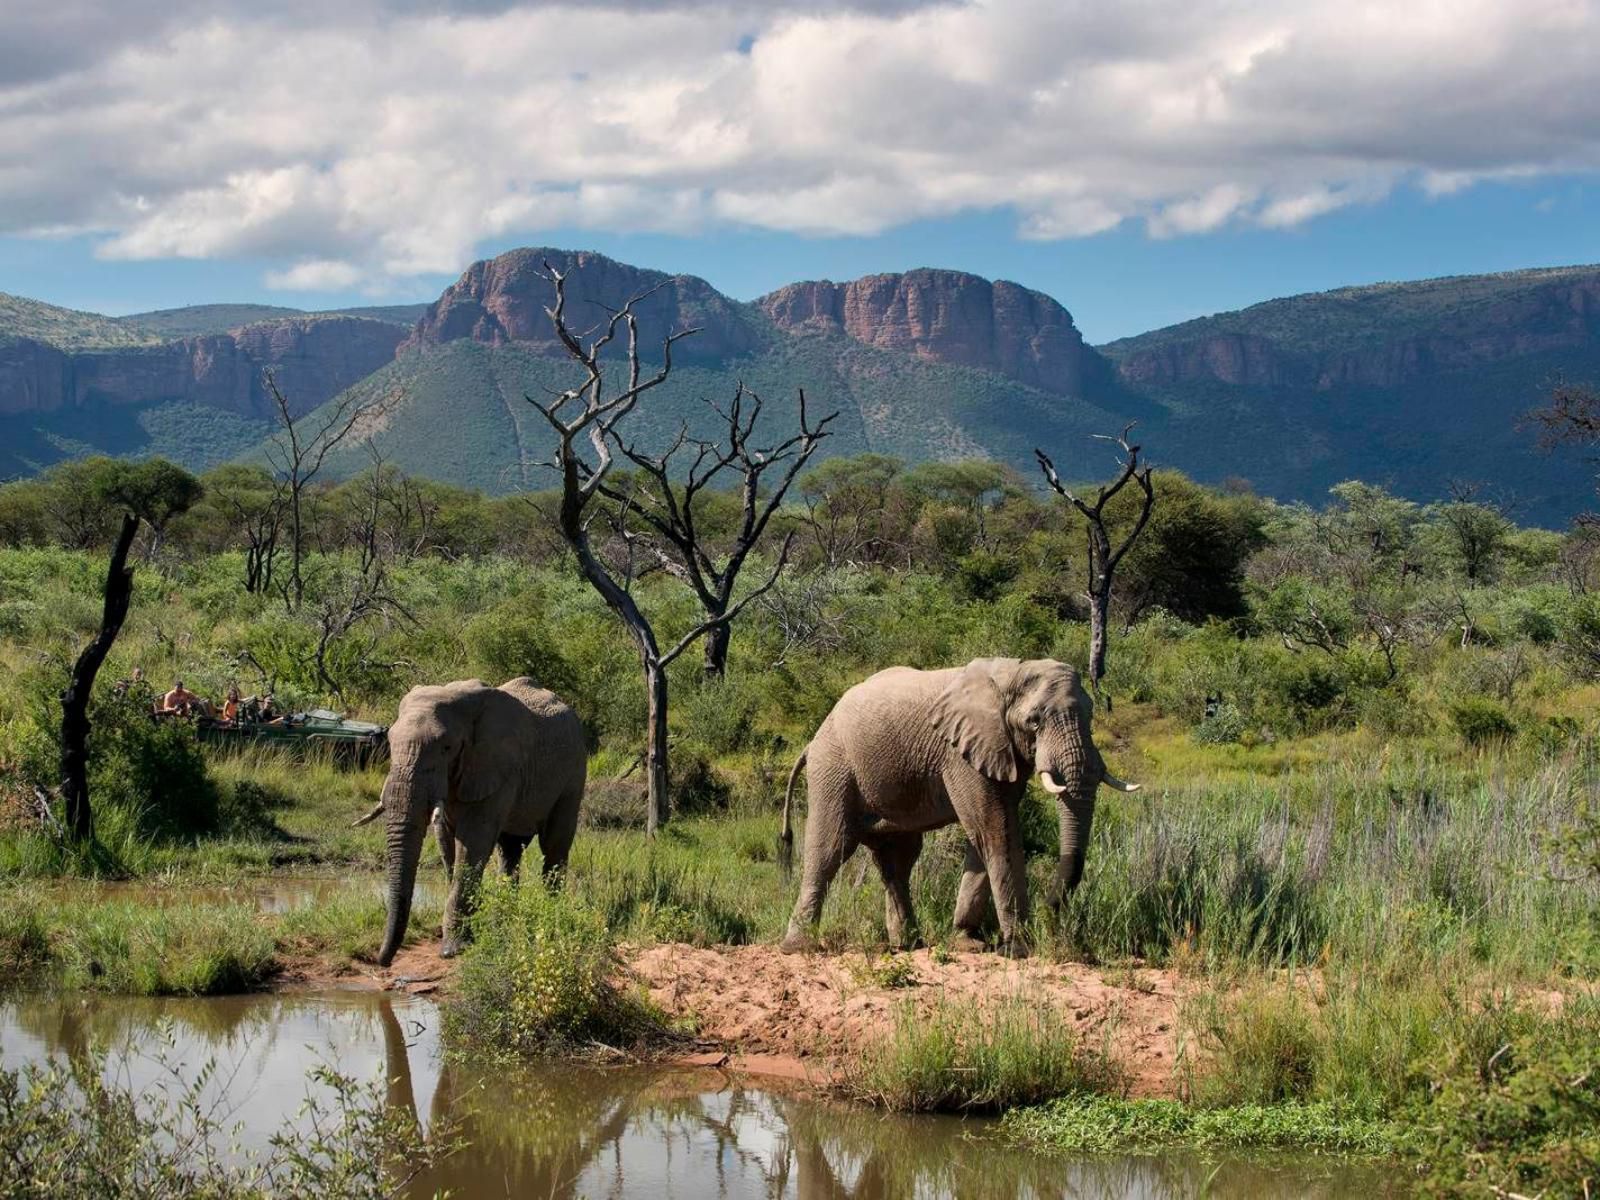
{"x":184,"y":937}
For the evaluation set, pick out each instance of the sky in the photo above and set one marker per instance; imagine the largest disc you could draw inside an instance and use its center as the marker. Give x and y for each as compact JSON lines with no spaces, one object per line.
{"x":1143,"y":162}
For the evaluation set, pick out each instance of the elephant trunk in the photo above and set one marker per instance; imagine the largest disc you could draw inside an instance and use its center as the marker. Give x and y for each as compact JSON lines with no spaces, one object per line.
{"x":407,"y":807}
{"x":1075,"y":818}
{"x":1072,"y":770}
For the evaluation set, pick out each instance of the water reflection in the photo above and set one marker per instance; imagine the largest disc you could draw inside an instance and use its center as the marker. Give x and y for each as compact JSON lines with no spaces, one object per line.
{"x":563,"y":1131}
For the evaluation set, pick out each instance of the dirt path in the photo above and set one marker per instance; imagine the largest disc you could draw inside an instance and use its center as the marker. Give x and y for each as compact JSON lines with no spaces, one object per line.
{"x":764,"y":1012}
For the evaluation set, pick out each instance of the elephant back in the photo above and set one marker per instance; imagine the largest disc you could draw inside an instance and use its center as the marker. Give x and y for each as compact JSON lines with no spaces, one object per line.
{"x":560,"y":730}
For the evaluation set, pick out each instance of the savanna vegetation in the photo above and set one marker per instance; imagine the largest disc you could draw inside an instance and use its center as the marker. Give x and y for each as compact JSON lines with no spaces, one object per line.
{"x":1366,"y":732}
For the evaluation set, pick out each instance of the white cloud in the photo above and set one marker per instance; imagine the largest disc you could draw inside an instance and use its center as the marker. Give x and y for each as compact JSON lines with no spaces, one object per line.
{"x":391,"y":137}
{"x":316,"y":275}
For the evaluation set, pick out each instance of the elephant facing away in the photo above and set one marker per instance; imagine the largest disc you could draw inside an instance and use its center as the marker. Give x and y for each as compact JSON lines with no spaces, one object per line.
{"x":502,"y":766}
{"x":907,"y":751}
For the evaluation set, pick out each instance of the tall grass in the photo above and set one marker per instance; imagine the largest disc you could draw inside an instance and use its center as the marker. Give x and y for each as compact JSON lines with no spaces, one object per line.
{"x":1362,"y":861}
{"x":960,"y":1058}
{"x":538,"y":976}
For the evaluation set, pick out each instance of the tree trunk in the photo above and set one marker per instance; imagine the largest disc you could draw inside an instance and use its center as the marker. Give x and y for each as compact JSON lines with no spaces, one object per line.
{"x":1099,"y":611}
{"x":75,"y":700}
{"x":655,"y":754}
{"x":716,"y":647}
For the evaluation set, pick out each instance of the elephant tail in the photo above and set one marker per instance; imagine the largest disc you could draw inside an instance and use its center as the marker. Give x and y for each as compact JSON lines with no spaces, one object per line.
{"x":786,"y":838}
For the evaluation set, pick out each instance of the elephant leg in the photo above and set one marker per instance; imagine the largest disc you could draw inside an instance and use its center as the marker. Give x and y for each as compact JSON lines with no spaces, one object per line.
{"x":444,"y":833}
{"x":511,"y":848}
{"x":475,"y":845}
{"x":972,"y":901}
{"x":992,"y":826}
{"x":830,"y":840}
{"x":555,"y":837}
{"x":895,"y":857}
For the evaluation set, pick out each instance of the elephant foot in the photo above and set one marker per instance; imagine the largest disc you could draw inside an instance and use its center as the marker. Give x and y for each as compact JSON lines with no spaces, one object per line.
{"x":1012,"y":948}
{"x":795,"y":943}
{"x":966,"y":942}
{"x":450,"y":948}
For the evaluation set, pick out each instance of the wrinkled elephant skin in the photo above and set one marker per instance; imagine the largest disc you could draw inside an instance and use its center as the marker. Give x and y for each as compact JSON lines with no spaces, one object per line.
{"x":501,"y":765}
{"x":909,"y":751}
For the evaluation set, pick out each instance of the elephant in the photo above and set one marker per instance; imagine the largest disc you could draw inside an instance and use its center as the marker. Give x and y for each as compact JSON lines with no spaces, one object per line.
{"x":501,"y":765}
{"x":907,"y":751}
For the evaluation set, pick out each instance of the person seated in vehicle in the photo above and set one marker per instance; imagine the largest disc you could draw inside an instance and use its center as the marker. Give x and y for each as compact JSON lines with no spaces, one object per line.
{"x":230,"y":705}
{"x":185,"y":703}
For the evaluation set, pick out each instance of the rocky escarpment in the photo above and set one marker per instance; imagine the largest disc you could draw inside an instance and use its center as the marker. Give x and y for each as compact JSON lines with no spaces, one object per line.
{"x":312,"y":358}
{"x":948,"y":317}
{"x":503,"y":300}
{"x":1554,"y":312}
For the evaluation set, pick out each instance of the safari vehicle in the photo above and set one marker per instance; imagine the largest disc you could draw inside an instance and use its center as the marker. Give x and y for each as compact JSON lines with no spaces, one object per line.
{"x":353,"y":743}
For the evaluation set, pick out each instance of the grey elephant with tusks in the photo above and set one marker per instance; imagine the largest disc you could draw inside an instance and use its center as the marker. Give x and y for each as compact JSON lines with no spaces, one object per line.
{"x":908,"y":751}
{"x":501,"y":766}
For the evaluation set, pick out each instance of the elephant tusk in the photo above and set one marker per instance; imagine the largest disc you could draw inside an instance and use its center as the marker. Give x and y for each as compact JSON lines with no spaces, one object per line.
{"x":1121,"y":785}
{"x":376,"y":812}
{"x":1050,"y":784}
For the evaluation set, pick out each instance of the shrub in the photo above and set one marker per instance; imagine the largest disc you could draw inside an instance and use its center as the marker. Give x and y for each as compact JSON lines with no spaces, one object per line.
{"x":65,"y":1132}
{"x":719,"y":715}
{"x":697,"y":786}
{"x":537,"y":976}
{"x":1481,"y":722}
{"x":508,"y":641}
{"x":1225,"y":725}
{"x":960,"y":1058}
{"x":1523,"y":1120}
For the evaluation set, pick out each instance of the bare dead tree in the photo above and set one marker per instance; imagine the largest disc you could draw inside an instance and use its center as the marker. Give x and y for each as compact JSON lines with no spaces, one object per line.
{"x":1103,"y":556}
{"x":668,"y":509}
{"x":1572,"y":418}
{"x":298,"y":453}
{"x":153,"y":492}
{"x":75,"y":700}
{"x":591,"y":411}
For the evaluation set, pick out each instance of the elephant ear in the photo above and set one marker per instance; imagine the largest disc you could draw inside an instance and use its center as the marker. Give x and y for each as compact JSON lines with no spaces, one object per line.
{"x":970,"y":714}
{"x":482,"y":768}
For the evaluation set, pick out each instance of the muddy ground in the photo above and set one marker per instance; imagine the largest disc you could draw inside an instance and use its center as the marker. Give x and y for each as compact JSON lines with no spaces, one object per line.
{"x":799,"y":1015}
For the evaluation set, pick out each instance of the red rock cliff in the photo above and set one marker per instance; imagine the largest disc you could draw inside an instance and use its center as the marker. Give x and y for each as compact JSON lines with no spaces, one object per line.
{"x":946,"y":316}
{"x":314,"y":358}
{"x":501,"y":300}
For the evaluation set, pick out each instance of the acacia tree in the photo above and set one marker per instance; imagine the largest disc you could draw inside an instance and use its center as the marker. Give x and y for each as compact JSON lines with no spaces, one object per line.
{"x":669,"y":509}
{"x":153,"y":492}
{"x":1103,"y":556}
{"x":592,"y":410}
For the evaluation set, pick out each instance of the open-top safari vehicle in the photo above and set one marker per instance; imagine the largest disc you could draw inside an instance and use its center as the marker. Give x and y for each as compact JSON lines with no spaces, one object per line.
{"x":356,"y":743}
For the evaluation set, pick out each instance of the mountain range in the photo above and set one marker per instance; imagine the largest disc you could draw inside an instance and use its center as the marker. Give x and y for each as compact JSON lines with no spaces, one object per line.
{"x":1415,"y":385}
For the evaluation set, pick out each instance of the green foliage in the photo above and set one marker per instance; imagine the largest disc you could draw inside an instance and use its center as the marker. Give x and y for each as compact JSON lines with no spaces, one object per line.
{"x":1523,"y":1119}
{"x":65,"y":1132}
{"x":958,"y":1058}
{"x":538,"y":976}
{"x":1481,"y":722}
{"x":510,"y":640}
{"x":1088,"y":1124}
{"x":130,"y":948}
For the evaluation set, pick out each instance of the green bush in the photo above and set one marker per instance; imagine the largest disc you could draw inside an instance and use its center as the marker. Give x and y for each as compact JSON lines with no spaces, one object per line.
{"x":509,"y":640}
{"x":1225,"y":725}
{"x":1521,"y":1119}
{"x":1481,"y":722}
{"x":961,"y":1058}
{"x":66,"y":1133}
{"x":719,"y":714}
{"x":537,"y":976}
